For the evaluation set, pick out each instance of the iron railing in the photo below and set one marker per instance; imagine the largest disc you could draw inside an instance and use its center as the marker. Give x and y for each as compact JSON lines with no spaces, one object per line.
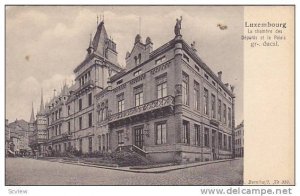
{"x":158,"y":103}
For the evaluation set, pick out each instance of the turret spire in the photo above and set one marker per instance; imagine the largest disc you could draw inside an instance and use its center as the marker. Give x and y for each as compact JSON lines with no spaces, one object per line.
{"x":32,"y":116}
{"x":42,"y":107}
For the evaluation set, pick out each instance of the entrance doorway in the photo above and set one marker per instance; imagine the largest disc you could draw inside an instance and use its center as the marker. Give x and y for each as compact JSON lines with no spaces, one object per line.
{"x":139,"y":137}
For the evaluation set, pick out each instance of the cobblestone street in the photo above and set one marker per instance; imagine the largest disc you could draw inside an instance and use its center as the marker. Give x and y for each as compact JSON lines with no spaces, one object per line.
{"x":21,"y":171}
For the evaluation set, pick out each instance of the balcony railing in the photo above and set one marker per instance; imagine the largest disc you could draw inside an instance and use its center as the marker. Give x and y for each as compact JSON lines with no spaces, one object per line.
{"x":159,"y":103}
{"x":62,"y":137}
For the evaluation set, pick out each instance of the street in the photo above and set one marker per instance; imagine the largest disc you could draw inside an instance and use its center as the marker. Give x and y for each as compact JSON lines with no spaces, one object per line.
{"x":21,"y":171}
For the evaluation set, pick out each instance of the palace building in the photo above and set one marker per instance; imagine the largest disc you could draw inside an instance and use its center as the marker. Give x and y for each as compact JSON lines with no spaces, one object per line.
{"x":166,"y":104}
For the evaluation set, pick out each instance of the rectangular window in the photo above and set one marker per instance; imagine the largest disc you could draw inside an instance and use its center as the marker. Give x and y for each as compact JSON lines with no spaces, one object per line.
{"x":229,"y":142}
{"x":121,"y":137}
{"x":206,"y":137}
{"x":229,"y":117}
{"x":59,"y":112}
{"x":80,"y":123}
{"x":224,"y":113}
{"x":120,"y":99}
{"x":213,"y":105}
{"x":90,"y":98}
{"x":80,"y":144}
{"x":185,"y":89}
{"x":205,"y":101}
{"x":220,"y":140}
{"x":69,"y":109}
{"x":225,"y":141}
{"x":161,"y":133}
{"x":69,"y":128}
{"x":185,"y":132}
{"x":59,"y":129}
{"x":90,"y":119}
{"x":162,"y":90}
{"x":219,"y":110}
{"x":161,"y":86}
{"x":80,"y":104}
{"x":138,"y":99}
{"x":90,"y":144}
{"x":99,"y":145}
{"x":186,"y":58}
{"x":197,"y":68}
{"x":197,"y":135}
{"x":196,"y":95}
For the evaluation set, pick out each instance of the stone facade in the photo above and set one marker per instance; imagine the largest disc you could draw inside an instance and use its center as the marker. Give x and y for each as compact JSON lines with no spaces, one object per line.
{"x":239,"y":140}
{"x":167,"y":104}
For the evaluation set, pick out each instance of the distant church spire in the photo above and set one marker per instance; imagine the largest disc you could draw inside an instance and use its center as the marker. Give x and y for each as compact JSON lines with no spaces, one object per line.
{"x":32,"y":116}
{"x":42,"y":107}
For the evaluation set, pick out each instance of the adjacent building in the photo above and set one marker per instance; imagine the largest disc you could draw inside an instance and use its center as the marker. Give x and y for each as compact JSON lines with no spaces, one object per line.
{"x":239,"y":140}
{"x":17,"y":137}
{"x":165,"y":104}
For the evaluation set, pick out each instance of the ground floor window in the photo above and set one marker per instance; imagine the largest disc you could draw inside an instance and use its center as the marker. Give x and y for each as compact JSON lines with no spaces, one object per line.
{"x":90,"y":144}
{"x":220,"y":140}
{"x":99,"y":142}
{"x":121,"y":137}
{"x":80,"y":145}
{"x":161,"y":133}
{"x":206,"y":137}
{"x":197,"y":135}
{"x":185,"y":132}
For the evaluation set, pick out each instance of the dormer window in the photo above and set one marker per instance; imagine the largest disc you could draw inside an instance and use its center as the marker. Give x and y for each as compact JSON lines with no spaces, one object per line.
{"x":135,"y":61}
{"x":140,"y":58}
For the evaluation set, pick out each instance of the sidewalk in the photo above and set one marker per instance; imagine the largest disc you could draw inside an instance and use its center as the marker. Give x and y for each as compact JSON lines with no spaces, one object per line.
{"x":149,"y":170}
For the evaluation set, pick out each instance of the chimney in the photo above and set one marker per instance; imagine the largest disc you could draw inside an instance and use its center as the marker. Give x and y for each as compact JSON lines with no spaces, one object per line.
{"x":220,"y":75}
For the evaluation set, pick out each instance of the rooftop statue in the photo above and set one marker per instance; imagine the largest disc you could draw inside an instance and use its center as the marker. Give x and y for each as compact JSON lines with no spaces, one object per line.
{"x":177,"y":27}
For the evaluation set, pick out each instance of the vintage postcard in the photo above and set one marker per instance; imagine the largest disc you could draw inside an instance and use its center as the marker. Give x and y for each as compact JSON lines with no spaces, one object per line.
{"x":149,"y":95}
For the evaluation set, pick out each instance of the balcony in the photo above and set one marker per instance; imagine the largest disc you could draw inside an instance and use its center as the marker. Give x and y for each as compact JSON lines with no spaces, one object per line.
{"x":86,"y":86}
{"x":167,"y":101}
{"x":59,"y":138}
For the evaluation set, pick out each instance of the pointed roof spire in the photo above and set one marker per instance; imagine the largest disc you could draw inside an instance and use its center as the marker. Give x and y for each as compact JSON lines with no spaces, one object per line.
{"x":42,"y":106}
{"x":32,"y":116}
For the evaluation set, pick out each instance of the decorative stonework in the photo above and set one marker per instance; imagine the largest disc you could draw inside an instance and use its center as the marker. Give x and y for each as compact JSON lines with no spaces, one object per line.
{"x":178,"y":89}
{"x":121,"y":87}
{"x":160,"y":67}
{"x":137,"y":79}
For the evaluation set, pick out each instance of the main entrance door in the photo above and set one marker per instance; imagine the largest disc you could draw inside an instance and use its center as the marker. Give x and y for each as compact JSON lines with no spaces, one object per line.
{"x":139,"y":137}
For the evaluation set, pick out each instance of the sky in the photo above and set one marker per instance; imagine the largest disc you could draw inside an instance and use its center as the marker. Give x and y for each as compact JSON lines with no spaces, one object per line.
{"x":44,"y":44}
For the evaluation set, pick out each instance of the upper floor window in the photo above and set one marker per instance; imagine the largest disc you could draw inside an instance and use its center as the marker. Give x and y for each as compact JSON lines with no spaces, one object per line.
{"x":90,"y":99}
{"x":120,"y":81}
{"x":185,"y":89}
{"x":197,"y":68}
{"x":80,"y":123}
{"x":90,"y":119}
{"x":219,"y":110}
{"x":205,"y":101}
{"x":161,"y":86}
{"x":139,"y":58}
{"x":160,"y":60}
{"x":120,"y":100}
{"x":206,"y":76}
{"x":69,"y":128}
{"x":229,"y":116}
{"x":138,"y":95}
{"x":213,"y":105}
{"x":80,"y":104}
{"x":69,"y":109}
{"x":196,"y":95}
{"x":161,"y":133}
{"x":224,"y":113}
